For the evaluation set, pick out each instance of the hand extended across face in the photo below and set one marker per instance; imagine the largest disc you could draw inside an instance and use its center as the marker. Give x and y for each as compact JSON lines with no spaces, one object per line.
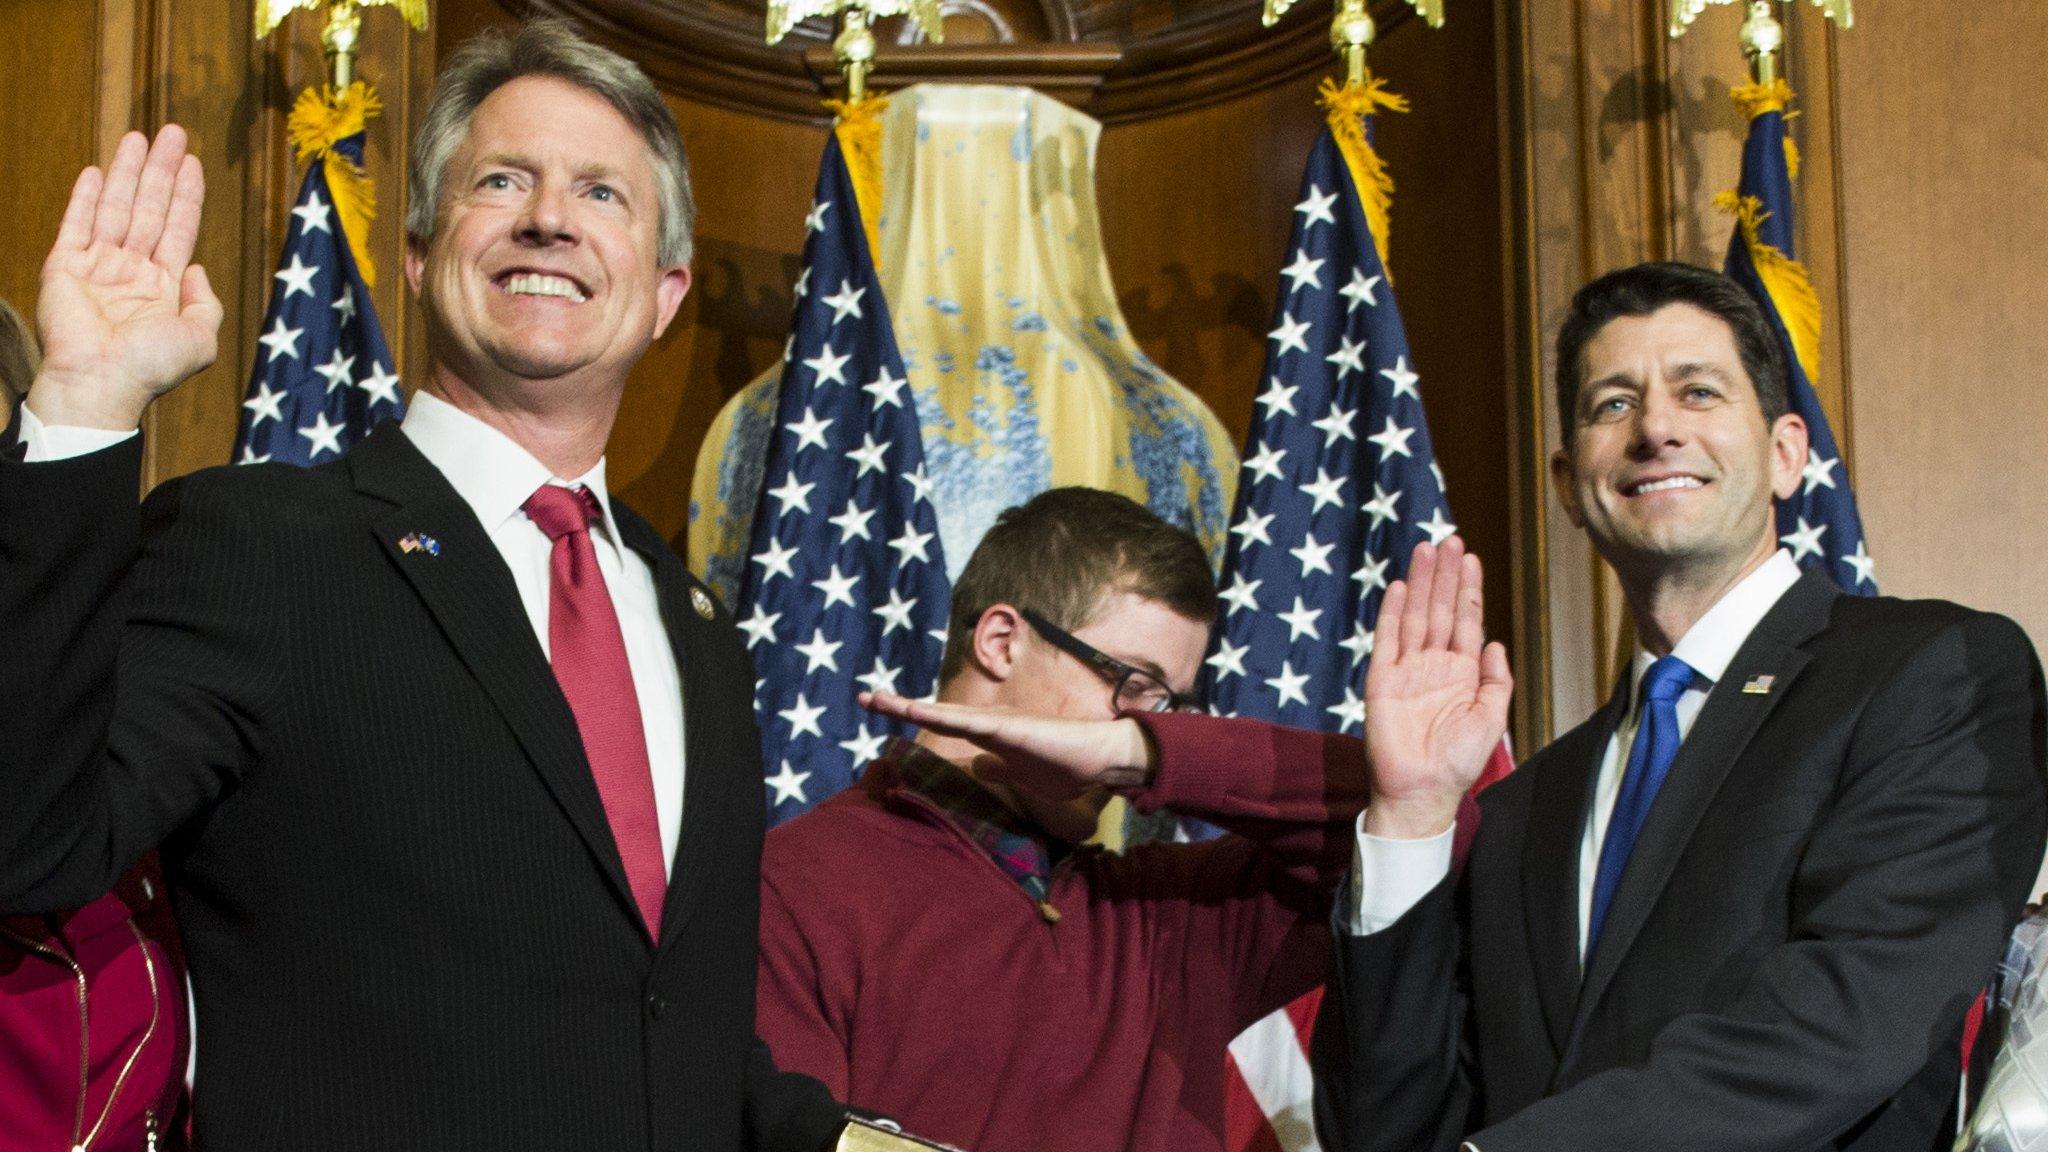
{"x":1078,"y":753}
{"x":123,"y":314}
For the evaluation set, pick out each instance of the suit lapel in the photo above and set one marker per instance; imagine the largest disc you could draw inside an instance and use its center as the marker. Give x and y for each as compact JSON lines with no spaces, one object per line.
{"x":705,"y":709}
{"x":1718,"y":736}
{"x":1550,"y":863}
{"x":466,"y":586}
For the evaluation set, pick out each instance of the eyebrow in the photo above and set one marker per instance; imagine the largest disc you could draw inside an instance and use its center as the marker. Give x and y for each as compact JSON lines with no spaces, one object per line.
{"x":1691,"y":370}
{"x":593,"y":171}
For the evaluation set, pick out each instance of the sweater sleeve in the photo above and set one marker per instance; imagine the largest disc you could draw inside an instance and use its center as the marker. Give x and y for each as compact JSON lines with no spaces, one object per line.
{"x":792,"y":1012}
{"x":1261,"y":896}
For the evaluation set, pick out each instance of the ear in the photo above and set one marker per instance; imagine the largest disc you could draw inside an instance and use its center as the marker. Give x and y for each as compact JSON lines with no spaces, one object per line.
{"x":415,"y":261}
{"x":1788,"y":454}
{"x":668,"y":296}
{"x":995,"y":638}
{"x":1564,"y":477}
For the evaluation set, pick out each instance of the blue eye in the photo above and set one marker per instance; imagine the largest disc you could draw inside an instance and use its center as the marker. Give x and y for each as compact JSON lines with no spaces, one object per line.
{"x":496,"y":181}
{"x":603,"y":192}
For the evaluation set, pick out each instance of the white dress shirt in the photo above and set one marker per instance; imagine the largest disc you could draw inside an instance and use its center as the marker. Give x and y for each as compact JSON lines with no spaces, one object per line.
{"x":494,"y":476}
{"x":1391,"y":876}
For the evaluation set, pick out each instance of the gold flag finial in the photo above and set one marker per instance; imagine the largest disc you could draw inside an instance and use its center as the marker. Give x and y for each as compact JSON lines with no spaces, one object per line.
{"x":854,"y":47}
{"x":1762,"y":35}
{"x":1352,"y":30}
{"x":344,"y":27}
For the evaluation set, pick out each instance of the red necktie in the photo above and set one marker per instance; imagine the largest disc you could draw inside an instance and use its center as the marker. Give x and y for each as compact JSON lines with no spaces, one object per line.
{"x":589,"y":655}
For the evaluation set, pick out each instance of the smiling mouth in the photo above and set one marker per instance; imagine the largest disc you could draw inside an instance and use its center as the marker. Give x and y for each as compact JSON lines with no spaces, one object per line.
{"x":541,"y":284}
{"x":1664,"y":484}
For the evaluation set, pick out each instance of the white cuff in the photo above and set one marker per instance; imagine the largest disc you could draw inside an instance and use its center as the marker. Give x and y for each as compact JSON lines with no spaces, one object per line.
{"x":63,"y":441}
{"x":1391,"y":876}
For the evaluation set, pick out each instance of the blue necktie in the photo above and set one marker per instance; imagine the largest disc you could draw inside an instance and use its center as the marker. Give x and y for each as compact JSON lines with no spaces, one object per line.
{"x":1649,"y":761}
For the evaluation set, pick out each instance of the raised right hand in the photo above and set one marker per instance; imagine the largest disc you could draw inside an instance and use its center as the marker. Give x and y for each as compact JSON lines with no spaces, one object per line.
{"x":123,"y":315}
{"x":1436,"y":694}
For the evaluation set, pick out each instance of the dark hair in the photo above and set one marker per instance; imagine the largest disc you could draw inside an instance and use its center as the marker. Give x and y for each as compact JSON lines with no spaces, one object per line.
{"x":1645,"y":288}
{"x":18,"y":357}
{"x":1067,"y":550}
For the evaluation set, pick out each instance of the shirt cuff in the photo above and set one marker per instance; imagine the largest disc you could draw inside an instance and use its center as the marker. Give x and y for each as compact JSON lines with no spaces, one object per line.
{"x":43,"y":442}
{"x":1391,"y":876}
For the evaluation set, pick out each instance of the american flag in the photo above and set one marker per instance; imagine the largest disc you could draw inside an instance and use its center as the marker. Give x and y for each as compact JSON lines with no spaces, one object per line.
{"x":1818,"y":524}
{"x":323,"y":374}
{"x":845,"y":588}
{"x":1339,"y":484}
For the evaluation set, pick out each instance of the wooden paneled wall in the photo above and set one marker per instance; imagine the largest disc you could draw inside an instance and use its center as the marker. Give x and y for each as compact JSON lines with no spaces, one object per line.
{"x":1550,"y":140}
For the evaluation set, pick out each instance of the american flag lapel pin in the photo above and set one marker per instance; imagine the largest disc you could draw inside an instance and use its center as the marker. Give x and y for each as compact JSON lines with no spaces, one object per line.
{"x":419,"y":542}
{"x":1758,"y":685}
{"x":701,"y":601}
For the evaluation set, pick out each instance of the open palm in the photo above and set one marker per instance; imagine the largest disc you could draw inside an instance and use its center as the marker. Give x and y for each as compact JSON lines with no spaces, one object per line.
{"x":123,"y":314}
{"x":1436,"y":694}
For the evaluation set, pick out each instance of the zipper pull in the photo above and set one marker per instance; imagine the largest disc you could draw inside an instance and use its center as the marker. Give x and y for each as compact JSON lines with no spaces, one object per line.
{"x":1051,"y":914}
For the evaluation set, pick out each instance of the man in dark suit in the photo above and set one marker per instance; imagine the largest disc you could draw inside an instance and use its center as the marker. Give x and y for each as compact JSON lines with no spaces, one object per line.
{"x":1746,"y":906}
{"x":452,"y":763}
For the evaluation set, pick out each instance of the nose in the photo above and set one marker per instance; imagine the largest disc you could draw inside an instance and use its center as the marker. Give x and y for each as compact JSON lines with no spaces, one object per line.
{"x":547,"y":219}
{"x":1658,"y":424}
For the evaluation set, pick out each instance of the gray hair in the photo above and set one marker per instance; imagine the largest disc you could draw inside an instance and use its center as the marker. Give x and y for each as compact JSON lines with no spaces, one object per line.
{"x":494,"y":58}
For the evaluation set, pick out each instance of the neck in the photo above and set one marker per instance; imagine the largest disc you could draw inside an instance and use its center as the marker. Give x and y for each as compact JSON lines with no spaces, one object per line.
{"x":568,"y":437}
{"x":1666,"y":603}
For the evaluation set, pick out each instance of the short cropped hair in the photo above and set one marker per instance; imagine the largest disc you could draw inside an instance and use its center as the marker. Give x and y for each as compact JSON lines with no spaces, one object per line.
{"x":1067,"y":551}
{"x":18,"y":357}
{"x":494,"y":58}
{"x":1645,"y":288}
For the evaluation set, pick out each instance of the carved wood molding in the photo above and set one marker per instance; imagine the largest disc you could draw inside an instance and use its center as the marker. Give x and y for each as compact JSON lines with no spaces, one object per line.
{"x":1116,"y":60}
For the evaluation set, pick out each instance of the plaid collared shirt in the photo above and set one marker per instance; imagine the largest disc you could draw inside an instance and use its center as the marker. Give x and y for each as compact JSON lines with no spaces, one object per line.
{"x":1018,"y":848}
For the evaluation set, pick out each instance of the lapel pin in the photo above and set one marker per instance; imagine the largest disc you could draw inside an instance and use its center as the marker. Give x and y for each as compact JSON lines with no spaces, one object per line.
{"x":419,"y":542}
{"x":1758,"y":685}
{"x":701,"y":601}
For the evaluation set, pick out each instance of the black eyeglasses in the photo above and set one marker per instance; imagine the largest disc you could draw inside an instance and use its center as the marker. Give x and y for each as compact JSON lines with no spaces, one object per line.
{"x":1131,"y":689}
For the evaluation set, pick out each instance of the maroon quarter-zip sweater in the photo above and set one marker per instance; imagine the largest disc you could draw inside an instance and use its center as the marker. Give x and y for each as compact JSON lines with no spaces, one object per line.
{"x":905,"y":969}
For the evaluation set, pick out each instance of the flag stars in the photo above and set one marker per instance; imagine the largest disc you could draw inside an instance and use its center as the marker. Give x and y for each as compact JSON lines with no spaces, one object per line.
{"x":853,"y":522}
{"x":1349,"y":357}
{"x":1265,"y":463}
{"x":250,"y":456}
{"x":1819,"y":472}
{"x":1862,"y":565}
{"x":845,"y":302}
{"x":1402,"y":379}
{"x":336,"y":371}
{"x":789,"y":783}
{"x":1372,"y":573}
{"x":298,"y":278}
{"x":820,"y":652}
{"x":881,"y":678}
{"x":829,"y":365}
{"x":910,"y":545}
{"x":281,"y":341}
{"x":1252,"y":529}
{"x":1439,"y":529}
{"x":868,"y":455}
{"x":810,"y":430}
{"x":1359,"y":643}
{"x":921,"y":485}
{"x":814,"y":220}
{"x":1392,"y":440}
{"x":1351,"y":713}
{"x":345,"y":304}
{"x":266,"y":404}
{"x":1292,"y":334}
{"x":760,"y":626}
{"x":866,"y":746}
{"x":1314,"y":556}
{"x":1336,"y":425}
{"x":1359,"y":292}
{"x":322,"y":436}
{"x":1228,"y":659}
{"x":1277,"y":398}
{"x":1301,"y":621}
{"x":313,"y":215}
{"x":1317,"y":207}
{"x":1242,"y":594}
{"x":1303,"y":272}
{"x":1289,"y":684}
{"x":802,"y":287}
{"x":803,"y":717}
{"x":774,"y":561}
{"x":896,"y":613}
{"x":792,"y":496}
{"x":1326,"y":489}
{"x":886,"y":389}
{"x":838,"y":589}
{"x":381,"y":385}
{"x":1804,"y":541}
{"x":1381,"y":506}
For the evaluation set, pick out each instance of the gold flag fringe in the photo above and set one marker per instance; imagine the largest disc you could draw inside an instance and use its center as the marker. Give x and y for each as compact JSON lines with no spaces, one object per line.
{"x":859,"y":128}
{"x":1756,"y":99}
{"x":1784,"y":279}
{"x":318,"y":121}
{"x":1349,"y":105}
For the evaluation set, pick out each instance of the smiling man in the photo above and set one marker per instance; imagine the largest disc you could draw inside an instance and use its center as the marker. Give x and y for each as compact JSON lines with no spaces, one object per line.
{"x":1743,"y":908}
{"x":936,"y":943}
{"x":452,"y":762}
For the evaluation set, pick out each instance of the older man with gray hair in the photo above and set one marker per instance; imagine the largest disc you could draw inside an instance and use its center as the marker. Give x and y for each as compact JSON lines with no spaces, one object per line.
{"x":451,"y":761}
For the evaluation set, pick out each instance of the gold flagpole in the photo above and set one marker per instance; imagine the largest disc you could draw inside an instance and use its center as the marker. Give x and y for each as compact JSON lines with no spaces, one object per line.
{"x":1352,"y":30}
{"x":854,"y":48}
{"x":344,"y":27}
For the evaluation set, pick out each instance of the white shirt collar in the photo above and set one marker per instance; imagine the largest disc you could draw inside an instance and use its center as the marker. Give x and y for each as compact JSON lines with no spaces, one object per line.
{"x":1709,"y":646}
{"x":487,"y":468}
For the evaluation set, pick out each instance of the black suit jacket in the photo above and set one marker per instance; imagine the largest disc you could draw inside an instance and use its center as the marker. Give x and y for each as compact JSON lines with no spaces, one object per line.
{"x":408,"y":924}
{"x":1825,"y":881}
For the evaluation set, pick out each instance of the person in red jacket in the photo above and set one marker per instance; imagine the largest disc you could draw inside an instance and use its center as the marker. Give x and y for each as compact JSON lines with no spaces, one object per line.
{"x":940,"y":947}
{"x":93,"y":1034}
